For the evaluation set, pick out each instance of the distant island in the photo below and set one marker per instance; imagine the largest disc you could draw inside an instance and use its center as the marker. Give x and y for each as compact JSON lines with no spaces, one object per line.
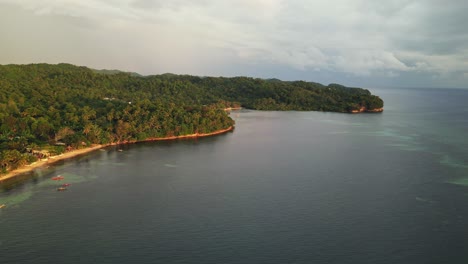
{"x":46,"y":110}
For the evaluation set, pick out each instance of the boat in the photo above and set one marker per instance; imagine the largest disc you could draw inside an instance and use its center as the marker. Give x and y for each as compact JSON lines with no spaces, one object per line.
{"x":61,"y":189}
{"x":2,"y":206}
{"x":66,"y":184}
{"x":58,"y":178}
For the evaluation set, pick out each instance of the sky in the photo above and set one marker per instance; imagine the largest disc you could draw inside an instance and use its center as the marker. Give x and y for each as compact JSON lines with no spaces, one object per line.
{"x":366,"y":43}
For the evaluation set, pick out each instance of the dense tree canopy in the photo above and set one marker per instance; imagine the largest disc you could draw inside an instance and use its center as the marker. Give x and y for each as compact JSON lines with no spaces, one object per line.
{"x":52,"y":107}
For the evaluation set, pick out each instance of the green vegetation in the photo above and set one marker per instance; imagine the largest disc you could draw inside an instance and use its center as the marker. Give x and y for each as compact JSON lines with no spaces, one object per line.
{"x":46,"y":109}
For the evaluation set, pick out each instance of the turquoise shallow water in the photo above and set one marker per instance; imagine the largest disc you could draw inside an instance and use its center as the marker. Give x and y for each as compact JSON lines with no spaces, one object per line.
{"x":284,"y":187}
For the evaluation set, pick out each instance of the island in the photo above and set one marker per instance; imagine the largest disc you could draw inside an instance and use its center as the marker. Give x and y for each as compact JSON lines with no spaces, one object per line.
{"x":47,"y":110}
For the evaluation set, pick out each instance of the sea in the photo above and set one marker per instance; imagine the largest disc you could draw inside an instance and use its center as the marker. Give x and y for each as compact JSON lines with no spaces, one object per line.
{"x":283,"y":187}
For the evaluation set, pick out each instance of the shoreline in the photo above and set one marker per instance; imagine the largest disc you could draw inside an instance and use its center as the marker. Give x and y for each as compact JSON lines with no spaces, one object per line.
{"x":196,"y":135}
{"x":232,"y":108}
{"x":78,"y":152}
{"x":365,"y":110}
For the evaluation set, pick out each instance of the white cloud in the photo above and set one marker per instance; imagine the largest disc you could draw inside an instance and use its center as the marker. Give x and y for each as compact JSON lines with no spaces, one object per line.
{"x":359,"y":37}
{"x":75,"y":8}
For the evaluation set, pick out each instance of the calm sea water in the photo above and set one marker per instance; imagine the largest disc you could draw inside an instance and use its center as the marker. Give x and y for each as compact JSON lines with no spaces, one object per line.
{"x":284,"y":187}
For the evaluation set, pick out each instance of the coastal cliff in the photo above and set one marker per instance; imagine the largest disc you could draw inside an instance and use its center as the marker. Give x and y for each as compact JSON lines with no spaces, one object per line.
{"x":364,"y":109}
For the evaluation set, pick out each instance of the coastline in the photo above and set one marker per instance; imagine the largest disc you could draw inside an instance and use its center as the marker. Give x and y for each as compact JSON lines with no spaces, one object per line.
{"x":50,"y":160}
{"x":229,"y":109}
{"x":196,"y":135}
{"x":365,"y":110}
{"x":78,"y":152}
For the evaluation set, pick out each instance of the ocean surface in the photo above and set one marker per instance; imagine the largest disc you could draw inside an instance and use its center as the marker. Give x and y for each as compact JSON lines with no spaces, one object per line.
{"x":284,"y":187}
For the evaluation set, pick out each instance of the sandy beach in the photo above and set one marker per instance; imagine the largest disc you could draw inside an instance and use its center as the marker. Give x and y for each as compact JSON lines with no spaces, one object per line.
{"x":78,"y":152}
{"x":48,"y":161}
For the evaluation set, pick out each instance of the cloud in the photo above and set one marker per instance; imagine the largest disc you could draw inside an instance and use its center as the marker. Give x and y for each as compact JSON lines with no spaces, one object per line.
{"x":74,"y":8}
{"x":349,"y":38}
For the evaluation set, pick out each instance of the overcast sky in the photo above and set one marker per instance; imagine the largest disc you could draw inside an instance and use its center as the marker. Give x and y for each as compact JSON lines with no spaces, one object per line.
{"x":367,"y":43}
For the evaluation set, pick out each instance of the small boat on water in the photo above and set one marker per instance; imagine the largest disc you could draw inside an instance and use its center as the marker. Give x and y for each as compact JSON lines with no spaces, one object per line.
{"x":58,"y":178}
{"x":120,"y":150}
{"x":2,"y":206}
{"x":66,"y":184}
{"x":61,"y":189}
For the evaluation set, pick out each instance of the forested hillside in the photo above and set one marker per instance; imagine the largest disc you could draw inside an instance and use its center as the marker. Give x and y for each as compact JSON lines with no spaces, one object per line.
{"x":54,"y":107}
{"x":274,"y":94}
